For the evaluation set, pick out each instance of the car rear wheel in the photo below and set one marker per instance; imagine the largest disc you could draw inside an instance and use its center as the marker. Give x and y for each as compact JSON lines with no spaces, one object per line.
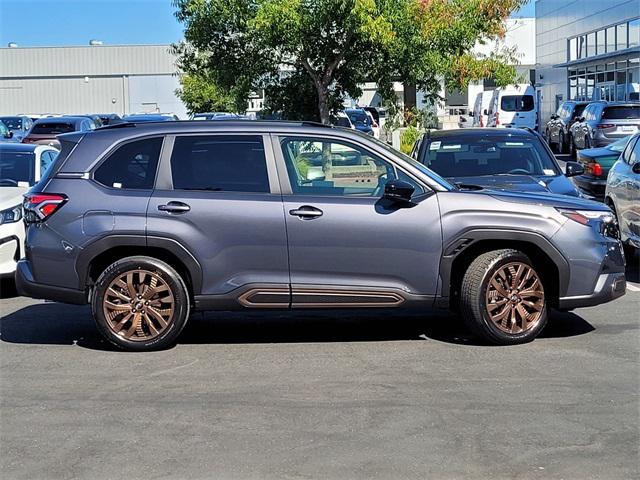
{"x":140,"y":304}
{"x":502,"y":298}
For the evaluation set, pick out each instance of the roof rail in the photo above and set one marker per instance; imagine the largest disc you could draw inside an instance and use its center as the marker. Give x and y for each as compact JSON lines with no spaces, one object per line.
{"x":116,"y":125}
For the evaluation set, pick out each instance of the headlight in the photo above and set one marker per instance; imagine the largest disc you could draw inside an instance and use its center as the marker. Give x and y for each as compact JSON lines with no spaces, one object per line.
{"x":11,"y":215}
{"x":584,"y":216}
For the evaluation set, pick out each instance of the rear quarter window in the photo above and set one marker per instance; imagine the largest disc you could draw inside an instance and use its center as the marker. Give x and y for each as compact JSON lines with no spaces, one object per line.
{"x":132,"y":166}
{"x":516,"y":103}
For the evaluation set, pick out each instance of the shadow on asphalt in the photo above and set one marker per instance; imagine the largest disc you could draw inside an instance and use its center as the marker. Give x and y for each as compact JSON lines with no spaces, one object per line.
{"x":57,"y":324}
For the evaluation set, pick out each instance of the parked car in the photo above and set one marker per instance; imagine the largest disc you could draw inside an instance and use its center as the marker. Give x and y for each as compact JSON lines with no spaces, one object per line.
{"x":21,"y":167}
{"x":46,"y":130}
{"x":623,"y":193}
{"x":147,"y":238}
{"x":6,"y":135}
{"x":481,"y":108}
{"x":18,"y":124}
{"x":108,"y":118}
{"x":341,"y":119}
{"x":360,"y":120}
{"x":213,"y":116}
{"x":596,"y":163}
{"x":557,"y":131}
{"x":374,"y":125}
{"x":513,"y":106}
{"x":603,"y":123}
{"x":149,"y":117}
{"x":514,"y":159}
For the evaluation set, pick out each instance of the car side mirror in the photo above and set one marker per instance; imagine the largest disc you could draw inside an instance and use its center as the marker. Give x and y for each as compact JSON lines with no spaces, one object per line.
{"x":573,"y":169}
{"x":485,"y":112}
{"x":636,"y":168}
{"x":398,"y":191}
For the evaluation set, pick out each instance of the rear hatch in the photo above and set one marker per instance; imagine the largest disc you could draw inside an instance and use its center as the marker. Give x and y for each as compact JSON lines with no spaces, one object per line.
{"x":620,"y":120}
{"x":517,"y":111}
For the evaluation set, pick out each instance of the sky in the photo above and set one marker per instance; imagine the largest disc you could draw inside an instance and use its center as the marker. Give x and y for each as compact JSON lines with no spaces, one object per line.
{"x":115,"y":22}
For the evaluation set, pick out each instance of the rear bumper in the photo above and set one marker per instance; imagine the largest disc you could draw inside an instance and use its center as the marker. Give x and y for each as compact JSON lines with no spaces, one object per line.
{"x":27,"y":287}
{"x":609,"y":287}
{"x":592,"y":186}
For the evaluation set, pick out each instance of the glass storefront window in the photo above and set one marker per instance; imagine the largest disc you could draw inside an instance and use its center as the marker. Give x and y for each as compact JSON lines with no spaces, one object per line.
{"x":611,"y":39}
{"x":634,"y":33}
{"x":621,"y":85}
{"x":600,"y":43}
{"x":591,"y":44}
{"x":621,"y":33}
{"x":573,"y":49}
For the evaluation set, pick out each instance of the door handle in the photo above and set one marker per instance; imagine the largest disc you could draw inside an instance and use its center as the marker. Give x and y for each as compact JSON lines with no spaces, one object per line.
{"x":307,"y":212}
{"x":174,"y":207}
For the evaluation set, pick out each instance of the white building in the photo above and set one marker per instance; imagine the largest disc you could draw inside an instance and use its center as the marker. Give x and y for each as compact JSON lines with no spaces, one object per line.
{"x":89,"y":79}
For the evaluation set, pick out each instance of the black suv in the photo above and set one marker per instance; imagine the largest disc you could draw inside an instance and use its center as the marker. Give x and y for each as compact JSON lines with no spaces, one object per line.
{"x":148,"y":222}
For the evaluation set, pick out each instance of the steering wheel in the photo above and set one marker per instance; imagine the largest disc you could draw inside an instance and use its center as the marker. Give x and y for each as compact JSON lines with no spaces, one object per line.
{"x":10,"y":181}
{"x":518,"y":170}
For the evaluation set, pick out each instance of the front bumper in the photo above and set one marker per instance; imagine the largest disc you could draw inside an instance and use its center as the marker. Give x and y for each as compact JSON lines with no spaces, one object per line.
{"x":609,"y":287}
{"x":27,"y":287}
{"x":11,"y":247}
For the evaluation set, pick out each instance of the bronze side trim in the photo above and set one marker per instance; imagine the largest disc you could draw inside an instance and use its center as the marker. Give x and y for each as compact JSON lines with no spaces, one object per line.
{"x":265,"y":298}
{"x":344,"y":298}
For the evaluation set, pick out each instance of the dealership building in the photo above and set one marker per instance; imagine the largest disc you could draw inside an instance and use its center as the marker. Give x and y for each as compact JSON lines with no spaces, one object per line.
{"x":587,"y":50}
{"x":89,"y":79}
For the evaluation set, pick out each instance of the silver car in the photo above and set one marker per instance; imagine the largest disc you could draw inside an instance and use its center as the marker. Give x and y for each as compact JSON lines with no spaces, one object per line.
{"x":604,"y":123}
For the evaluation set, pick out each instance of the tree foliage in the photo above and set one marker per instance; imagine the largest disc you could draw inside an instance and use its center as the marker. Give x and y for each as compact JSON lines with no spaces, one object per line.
{"x":201,"y":94}
{"x":320,"y":51}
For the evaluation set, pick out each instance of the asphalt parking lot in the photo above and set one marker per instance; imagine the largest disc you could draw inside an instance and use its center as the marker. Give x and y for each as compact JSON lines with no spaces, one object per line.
{"x":334,"y":395}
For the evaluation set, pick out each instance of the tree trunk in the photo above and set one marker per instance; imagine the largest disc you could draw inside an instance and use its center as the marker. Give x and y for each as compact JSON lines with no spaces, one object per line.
{"x":323,"y":103}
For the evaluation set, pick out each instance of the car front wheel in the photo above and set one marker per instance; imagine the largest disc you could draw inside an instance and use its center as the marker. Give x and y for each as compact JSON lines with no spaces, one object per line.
{"x":140,"y":304}
{"x":502,"y":298}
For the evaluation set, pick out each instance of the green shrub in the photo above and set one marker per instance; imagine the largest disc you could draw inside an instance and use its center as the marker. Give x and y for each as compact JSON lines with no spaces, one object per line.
{"x":408,"y":139}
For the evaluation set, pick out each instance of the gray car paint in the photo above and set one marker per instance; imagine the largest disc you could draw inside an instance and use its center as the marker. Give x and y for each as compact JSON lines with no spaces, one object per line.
{"x":240,"y":239}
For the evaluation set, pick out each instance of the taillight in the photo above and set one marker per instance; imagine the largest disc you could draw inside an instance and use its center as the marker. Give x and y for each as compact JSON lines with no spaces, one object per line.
{"x":497,"y":118}
{"x":40,"y":206}
{"x":602,"y":126}
{"x":594,"y":169}
{"x":481,"y":121}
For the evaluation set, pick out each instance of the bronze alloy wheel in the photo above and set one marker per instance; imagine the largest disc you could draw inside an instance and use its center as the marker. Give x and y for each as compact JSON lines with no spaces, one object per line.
{"x":515,"y":298}
{"x":138,"y":305}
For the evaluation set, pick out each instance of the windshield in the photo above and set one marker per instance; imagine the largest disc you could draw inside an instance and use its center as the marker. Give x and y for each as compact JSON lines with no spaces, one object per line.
{"x":358,"y":118}
{"x":619,"y":145}
{"x":414,"y":163}
{"x":480,"y":156}
{"x":16,"y":167}
{"x":55,"y":128}
{"x":12,"y":123}
{"x":516,"y":103}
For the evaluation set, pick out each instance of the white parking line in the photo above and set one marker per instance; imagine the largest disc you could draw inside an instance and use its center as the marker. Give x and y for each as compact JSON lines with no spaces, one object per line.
{"x":633,"y":287}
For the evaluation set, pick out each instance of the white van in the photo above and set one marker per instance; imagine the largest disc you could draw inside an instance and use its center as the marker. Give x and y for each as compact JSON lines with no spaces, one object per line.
{"x":481,"y":107}
{"x":513,"y":106}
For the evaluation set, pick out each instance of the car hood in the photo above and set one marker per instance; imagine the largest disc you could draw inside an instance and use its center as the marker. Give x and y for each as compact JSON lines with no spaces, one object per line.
{"x":11,"y":196}
{"x":558,"y":184}
{"x":545,"y":199}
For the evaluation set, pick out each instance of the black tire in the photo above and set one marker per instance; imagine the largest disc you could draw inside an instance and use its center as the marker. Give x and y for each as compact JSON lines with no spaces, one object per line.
{"x":473,"y":296}
{"x":166,"y":276}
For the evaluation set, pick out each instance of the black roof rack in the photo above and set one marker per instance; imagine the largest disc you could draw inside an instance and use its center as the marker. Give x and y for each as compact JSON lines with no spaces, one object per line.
{"x":116,"y":125}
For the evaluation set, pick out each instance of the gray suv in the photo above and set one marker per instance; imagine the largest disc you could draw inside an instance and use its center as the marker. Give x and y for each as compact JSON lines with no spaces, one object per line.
{"x":149,"y":222}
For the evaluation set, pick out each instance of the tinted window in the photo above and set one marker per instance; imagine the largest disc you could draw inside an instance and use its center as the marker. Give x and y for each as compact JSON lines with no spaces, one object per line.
{"x":53,"y":128}
{"x":466,"y":156}
{"x":635,"y":154}
{"x":577,"y":111}
{"x":12,"y":123}
{"x":133,"y":165}
{"x":517,"y":103}
{"x":220,"y":163}
{"x":16,"y":167}
{"x":326,"y":167}
{"x":46,"y":159}
{"x":621,"y":113}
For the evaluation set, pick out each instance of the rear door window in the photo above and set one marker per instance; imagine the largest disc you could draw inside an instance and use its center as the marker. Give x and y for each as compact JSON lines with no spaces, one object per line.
{"x":52,"y":128}
{"x":131,"y":166}
{"x":516,"y":103}
{"x":220,"y":163}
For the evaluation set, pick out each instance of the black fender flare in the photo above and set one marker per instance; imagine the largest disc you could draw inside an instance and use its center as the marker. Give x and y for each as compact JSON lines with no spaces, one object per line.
{"x":97,"y":247}
{"x":469,"y":237}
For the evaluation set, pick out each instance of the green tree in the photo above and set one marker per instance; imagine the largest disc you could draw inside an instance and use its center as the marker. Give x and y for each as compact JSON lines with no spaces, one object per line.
{"x":200,"y":94}
{"x":330,"y":47}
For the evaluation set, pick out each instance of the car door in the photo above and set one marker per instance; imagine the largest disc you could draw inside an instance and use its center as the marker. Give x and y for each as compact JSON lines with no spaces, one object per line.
{"x":630,"y":191}
{"x":218,"y":197}
{"x":347,"y":245}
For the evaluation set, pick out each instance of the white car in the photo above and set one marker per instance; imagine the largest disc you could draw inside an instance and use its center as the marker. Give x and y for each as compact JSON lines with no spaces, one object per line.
{"x":514,"y":106}
{"x":21,"y":167}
